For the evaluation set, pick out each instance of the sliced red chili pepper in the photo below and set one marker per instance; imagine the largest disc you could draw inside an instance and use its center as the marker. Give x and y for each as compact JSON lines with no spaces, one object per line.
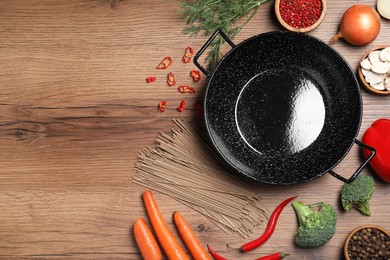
{"x":195,"y":74}
{"x":276,"y":256}
{"x":162,"y":106}
{"x":171,"y":79}
{"x":270,"y":228}
{"x":199,"y":108}
{"x":182,"y":106}
{"x":165,"y":63}
{"x":150,"y":79}
{"x":214,"y":254}
{"x":186,"y":89}
{"x":188,"y":53}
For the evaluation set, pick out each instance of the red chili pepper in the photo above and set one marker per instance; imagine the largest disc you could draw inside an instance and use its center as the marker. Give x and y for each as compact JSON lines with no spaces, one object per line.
{"x":214,"y":254}
{"x":182,"y":106}
{"x":195,"y":74}
{"x":270,"y":228}
{"x":186,"y":89}
{"x":150,"y":79}
{"x":171,"y":79}
{"x":276,"y":256}
{"x":199,"y":108}
{"x":188,"y":53}
{"x":165,"y":63}
{"x":162,"y":106}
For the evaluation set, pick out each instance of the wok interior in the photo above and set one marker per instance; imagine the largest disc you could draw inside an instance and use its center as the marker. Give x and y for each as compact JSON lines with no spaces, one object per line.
{"x":283,"y":108}
{"x":286,"y":117}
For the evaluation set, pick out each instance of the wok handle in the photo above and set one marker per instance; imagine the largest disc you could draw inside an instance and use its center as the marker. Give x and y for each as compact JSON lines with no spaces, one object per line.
{"x":357,"y":172}
{"x":206,"y":45}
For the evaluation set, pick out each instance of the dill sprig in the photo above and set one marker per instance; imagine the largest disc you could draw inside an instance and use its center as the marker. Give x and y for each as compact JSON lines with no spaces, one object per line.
{"x":206,"y":16}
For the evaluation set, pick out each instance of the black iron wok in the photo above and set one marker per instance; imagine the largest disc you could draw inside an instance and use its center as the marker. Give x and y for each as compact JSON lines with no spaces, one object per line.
{"x":282,"y":108}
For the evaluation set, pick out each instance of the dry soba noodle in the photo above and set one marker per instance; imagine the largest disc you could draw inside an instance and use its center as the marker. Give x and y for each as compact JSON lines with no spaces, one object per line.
{"x":186,"y":169}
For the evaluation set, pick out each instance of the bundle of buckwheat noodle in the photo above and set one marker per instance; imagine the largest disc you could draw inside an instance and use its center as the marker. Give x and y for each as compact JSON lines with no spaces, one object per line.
{"x":183,"y":167}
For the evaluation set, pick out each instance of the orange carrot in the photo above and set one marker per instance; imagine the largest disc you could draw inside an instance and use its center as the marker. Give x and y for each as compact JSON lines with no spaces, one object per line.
{"x":164,"y":235}
{"x":145,"y":240}
{"x":193,"y":244}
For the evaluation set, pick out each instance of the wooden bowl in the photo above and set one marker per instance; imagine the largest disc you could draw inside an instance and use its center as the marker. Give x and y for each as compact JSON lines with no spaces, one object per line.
{"x":302,"y":30}
{"x":362,"y":78}
{"x":354,"y":231}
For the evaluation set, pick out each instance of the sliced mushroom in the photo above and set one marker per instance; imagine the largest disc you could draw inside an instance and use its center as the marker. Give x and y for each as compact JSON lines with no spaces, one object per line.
{"x":384,"y":55}
{"x":364,"y":71}
{"x":387,"y":83}
{"x":374,"y":56}
{"x":366,"y":64}
{"x":380,"y":67}
{"x":379,"y":86}
{"x":373,"y":78}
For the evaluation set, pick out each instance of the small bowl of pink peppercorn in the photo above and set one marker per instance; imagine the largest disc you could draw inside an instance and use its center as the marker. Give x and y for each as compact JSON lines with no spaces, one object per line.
{"x":300,"y":15}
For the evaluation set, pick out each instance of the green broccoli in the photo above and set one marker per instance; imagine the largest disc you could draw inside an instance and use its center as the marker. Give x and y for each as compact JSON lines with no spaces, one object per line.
{"x":357,"y":194}
{"x":315,"y":227}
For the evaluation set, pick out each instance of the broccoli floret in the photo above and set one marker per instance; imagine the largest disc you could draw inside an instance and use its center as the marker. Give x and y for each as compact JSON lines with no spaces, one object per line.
{"x":316,"y":227}
{"x":357,"y":194}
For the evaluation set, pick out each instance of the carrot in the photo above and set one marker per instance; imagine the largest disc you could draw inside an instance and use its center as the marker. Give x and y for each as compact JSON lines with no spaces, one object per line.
{"x":193,"y":244}
{"x":164,"y":235}
{"x":145,"y":241}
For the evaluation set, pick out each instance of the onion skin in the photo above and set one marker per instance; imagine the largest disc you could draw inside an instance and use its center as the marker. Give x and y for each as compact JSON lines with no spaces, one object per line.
{"x":360,"y":25}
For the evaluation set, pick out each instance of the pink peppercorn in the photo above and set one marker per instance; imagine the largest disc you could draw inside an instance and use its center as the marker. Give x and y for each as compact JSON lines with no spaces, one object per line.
{"x":300,"y":13}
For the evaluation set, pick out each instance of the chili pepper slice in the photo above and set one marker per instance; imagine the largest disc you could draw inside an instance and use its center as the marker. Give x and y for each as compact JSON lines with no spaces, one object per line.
{"x":214,"y":254}
{"x":188,"y":53}
{"x":195,"y":74}
{"x":182,"y":106}
{"x":276,"y":256}
{"x":199,"y":108}
{"x":165,"y":63}
{"x":270,"y":227}
{"x":171,"y":79}
{"x":162,"y":106}
{"x":150,"y":79}
{"x":186,"y":89}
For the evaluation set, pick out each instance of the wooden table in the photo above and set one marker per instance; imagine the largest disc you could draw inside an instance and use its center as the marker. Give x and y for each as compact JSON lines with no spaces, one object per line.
{"x":75,"y":111}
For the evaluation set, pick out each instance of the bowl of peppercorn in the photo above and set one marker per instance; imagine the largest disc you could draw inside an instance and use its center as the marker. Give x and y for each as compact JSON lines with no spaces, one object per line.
{"x":367,"y":242}
{"x":300,"y":15}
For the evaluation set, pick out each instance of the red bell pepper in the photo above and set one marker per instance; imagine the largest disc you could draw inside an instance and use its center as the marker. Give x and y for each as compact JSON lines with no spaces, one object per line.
{"x":378,"y":137}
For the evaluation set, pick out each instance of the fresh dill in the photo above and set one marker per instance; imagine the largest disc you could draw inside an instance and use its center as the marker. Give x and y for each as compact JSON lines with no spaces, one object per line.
{"x":206,"y":16}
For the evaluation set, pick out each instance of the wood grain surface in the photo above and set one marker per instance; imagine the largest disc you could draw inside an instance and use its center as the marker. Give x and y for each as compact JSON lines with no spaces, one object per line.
{"x":75,"y":111}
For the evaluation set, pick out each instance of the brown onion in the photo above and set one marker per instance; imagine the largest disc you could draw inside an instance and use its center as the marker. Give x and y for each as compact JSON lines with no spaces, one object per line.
{"x":359,"y":25}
